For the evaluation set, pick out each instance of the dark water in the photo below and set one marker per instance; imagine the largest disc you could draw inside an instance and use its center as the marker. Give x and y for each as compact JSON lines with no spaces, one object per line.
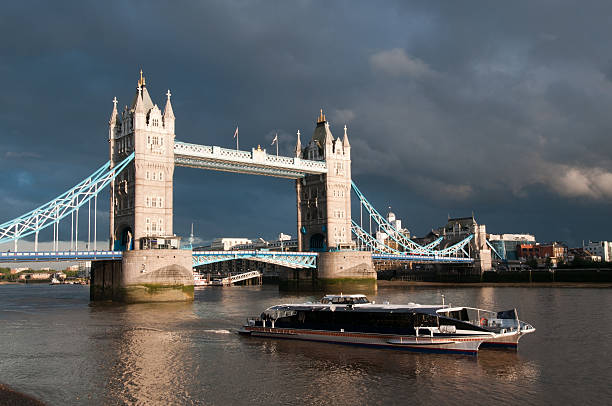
{"x":60,"y":349}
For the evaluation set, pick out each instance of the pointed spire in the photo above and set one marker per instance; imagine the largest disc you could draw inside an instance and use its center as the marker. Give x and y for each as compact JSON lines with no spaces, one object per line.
{"x":345,"y":140}
{"x":142,"y":81}
{"x":321,"y":118}
{"x":138,"y":105}
{"x":168,"y":112}
{"x":298,"y":146}
{"x":114,"y":114}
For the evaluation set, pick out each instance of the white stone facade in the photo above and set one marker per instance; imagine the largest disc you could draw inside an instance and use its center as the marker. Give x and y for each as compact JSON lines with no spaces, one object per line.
{"x":512,"y":237}
{"x":602,"y":249}
{"x":141,"y":196}
{"x":324,"y":201}
{"x":226,"y":244}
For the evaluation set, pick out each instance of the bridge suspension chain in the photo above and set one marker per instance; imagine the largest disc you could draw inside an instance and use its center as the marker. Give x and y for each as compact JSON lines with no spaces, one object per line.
{"x":403,"y":241}
{"x":410,"y":247}
{"x":374,"y":244}
{"x":62,"y":206}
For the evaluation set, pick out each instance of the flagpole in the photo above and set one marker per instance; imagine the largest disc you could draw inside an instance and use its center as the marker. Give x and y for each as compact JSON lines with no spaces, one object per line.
{"x":276,"y":144}
{"x":236,"y":136}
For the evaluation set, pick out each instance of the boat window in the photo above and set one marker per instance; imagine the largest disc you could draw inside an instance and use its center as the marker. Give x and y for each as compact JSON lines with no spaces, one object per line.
{"x":344,"y":300}
{"x":461,"y":314}
{"x":275,"y":314}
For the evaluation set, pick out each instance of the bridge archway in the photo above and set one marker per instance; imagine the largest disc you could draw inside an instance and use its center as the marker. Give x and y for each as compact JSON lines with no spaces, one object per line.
{"x":317,"y":242}
{"x":125,"y":239}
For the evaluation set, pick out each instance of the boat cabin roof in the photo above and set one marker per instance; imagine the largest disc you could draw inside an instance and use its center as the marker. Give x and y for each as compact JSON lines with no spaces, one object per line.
{"x":345,"y":299}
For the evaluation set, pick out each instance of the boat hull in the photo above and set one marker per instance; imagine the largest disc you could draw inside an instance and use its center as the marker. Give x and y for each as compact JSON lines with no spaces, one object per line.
{"x":505,"y":340}
{"x":457,"y":345}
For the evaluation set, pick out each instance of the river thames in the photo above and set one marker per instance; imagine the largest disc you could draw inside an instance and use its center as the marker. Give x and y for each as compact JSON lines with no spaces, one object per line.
{"x":60,"y":349}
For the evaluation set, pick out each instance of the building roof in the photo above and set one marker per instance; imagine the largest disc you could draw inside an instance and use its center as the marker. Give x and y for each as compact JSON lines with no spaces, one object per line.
{"x":322,"y":133}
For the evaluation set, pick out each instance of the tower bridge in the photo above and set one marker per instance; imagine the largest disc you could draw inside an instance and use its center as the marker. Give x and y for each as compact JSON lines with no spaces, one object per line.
{"x":143,"y":153}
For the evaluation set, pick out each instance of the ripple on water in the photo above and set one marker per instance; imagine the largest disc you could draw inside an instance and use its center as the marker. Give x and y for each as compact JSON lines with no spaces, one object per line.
{"x":190,"y":354}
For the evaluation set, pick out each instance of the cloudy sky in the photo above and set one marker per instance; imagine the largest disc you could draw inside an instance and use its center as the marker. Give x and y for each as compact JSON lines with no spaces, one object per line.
{"x":503,"y":109}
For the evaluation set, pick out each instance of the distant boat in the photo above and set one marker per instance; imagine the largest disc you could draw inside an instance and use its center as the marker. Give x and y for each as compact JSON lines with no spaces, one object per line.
{"x":55,"y":281}
{"x":200,"y":280}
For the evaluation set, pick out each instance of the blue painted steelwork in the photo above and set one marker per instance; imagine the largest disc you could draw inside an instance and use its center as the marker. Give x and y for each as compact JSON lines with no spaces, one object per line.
{"x":453,"y":249}
{"x":63,"y":205}
{"x":288,"y":259}
{"x":495,"y":251}
{"x":383,"y":251}
{"x":385,"y":226}
{"x":410,"y":247}
{"x":370,"y":241}
{"x":59,"y":256}
{"x":422,"y":258}
{"x":434,"y":243}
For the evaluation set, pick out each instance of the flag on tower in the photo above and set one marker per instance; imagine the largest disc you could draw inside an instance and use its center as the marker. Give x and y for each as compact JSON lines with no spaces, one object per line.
{"x":275,"y":140}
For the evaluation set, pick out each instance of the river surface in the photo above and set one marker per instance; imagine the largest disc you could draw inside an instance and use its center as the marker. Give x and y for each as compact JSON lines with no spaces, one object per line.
{"x":57,"y":347}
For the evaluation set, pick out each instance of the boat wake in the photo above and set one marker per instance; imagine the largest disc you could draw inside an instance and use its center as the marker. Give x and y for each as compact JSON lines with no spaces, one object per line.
{"x":217,"y":331}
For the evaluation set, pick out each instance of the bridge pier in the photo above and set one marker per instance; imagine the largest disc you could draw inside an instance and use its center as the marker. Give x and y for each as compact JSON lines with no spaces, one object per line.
{"x":335,"y":270}
{"x":156,"y":275}
{"x":346,"y":265}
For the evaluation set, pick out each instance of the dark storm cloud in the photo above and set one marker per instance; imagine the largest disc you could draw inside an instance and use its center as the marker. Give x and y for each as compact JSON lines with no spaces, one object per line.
{"x":501,"y":108}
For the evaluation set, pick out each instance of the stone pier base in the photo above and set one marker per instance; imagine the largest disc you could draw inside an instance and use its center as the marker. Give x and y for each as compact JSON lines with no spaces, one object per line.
{"x":144,"y":276}
{"x":352,"y":270}
{"x":345,"y":265}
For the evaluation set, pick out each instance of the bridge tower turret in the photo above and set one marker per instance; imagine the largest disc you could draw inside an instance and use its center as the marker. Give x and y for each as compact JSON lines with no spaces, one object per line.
{"x":324,"y":201}
{"x":141,"y":196}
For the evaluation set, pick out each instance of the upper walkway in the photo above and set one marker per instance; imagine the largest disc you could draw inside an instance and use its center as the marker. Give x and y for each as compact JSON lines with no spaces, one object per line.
{"x":256,"y":162}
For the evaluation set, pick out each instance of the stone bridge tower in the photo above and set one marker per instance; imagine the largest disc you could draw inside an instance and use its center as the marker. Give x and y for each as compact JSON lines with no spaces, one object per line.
{"x":324,"y":209}
{"x":141,"y":196}
{"x":324,"y":201}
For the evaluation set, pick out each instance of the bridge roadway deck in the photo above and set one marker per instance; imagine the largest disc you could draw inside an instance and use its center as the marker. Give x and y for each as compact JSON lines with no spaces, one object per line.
{"x":289,"y":259}
{"x":59,"y":256}
{"x":422,"y":258}
{"x":256,"y":162}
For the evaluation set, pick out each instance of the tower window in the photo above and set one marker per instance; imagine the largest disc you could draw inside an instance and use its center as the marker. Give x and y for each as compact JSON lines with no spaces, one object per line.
{"x":161,"y":175}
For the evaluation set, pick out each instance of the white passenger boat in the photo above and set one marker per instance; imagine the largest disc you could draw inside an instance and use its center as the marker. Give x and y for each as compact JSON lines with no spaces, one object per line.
{"x":200,"y":280}
{"x":352,"y":319}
